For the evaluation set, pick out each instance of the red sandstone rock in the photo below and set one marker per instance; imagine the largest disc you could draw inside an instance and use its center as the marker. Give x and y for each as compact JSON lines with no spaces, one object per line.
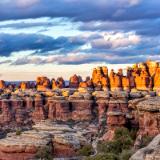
{"x":126,"y":83}
{"x":148,"y":124}
{"x":2,"y":84}
{"x":62,"y":150}
{"x":6,"y":113}
{"x":152,"y":67}
{"x":24,"y":85}
{"x":74,"y":81}
{"x":43,"y":83}
{"x":82,"y":110}
{"x":102,"y":109}
{"x":59,"y":110}
{"x":59,"y":83}
{"x":100,"y":77}
{"x":39,"y":112}
{"x":157,"y":79}
{"x":115,"y":81}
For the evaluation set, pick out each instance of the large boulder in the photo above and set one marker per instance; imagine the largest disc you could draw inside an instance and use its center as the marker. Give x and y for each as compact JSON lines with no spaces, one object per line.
{"x":150,"y":152}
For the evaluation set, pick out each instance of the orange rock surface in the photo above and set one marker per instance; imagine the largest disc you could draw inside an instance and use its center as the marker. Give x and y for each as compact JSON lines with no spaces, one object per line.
{"x":100,"y":77}
{"x":141,"y":76}
{"x":2,"y":84}
{"x":115,"y":80}
{"x":24,"y":85}
{"x":42,"y":83}
{"x":59,"y":83}
{"x":157,"y":79}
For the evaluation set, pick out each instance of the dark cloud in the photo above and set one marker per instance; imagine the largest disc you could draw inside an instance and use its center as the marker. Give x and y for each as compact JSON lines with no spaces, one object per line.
{"x":71,"y":59}
{"x":124,"y":17}
{"x":20,"y":42}
{"x":84,"y":10}
{"x":140,"y":27}
{"x":25,"y":25}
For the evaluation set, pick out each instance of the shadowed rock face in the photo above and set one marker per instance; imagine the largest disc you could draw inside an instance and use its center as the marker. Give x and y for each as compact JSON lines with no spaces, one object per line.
{"x":149,"y":117}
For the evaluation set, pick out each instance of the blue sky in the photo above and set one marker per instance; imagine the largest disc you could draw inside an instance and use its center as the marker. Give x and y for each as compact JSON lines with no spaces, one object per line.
{"x":62,"y":37}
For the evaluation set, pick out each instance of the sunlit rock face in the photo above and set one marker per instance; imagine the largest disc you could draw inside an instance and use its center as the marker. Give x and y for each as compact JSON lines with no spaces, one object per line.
{"x":2,"y":84}
{"x":59,"y":83}
{"x":156,"y":80}
{"x":43,"y":83}
{"x":100,"y":78}
{"x":141,"y":76}
{"x":25,"y":85}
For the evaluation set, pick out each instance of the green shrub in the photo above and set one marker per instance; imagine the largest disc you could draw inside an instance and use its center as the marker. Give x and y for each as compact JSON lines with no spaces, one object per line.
{"x":86,"y":150}
{"x":125,"y":155}
{"x":121,"y":141}
{"x":145,"y":141}
{"x":18,"y":132}
{"x":108,"y":147}
{"x":45,"y":153}
{"x":133,"y":133}
{"x":107,"y":156}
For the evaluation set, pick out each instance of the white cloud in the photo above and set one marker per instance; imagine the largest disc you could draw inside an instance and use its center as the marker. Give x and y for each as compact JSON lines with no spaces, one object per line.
{"x":116,"y":40}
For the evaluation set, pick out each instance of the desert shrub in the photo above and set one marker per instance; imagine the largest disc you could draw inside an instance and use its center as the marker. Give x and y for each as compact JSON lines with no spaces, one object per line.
{"x":86,"y":150}
{"x":123,"y":138}
{"x":45,"y":153}
{"x":108,"y":147}
{"x":145,"y":141}
{"x":121,"y":141}
{"x":125,"y":154}
{"x":133,"y":133}
{"x":18,"y":132}
{"x":107,"y":156}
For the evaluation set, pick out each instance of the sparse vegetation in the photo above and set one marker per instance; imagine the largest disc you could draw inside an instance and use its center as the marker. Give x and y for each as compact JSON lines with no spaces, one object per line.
{"x":145,"y":141}
{"x":120,"y":148}
{"x":45,"y":153}
{"x":107,"y":156}
{"x":86,"y":150}
{"x":18,"y":132}
{"x":125,"y":154}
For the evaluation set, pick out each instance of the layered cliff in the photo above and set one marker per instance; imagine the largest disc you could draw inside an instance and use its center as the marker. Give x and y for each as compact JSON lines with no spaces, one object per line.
{"x":66,"y":118}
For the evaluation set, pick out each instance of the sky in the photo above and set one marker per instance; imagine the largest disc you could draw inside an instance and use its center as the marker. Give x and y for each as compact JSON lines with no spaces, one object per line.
{"x":62,"y":37}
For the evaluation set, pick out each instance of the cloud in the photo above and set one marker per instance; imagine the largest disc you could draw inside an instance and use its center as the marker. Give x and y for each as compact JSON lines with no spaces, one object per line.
{"x":5,"y":61}
{"x":117,"y":31}
{"x":40,"y":43}
{"x":24,"y":25}
{"x":116,"y":40}
{"x":26,"y":3}
{"x":115,"y":10}
{"x":82,"y":58}
{"x":141,"y":27}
